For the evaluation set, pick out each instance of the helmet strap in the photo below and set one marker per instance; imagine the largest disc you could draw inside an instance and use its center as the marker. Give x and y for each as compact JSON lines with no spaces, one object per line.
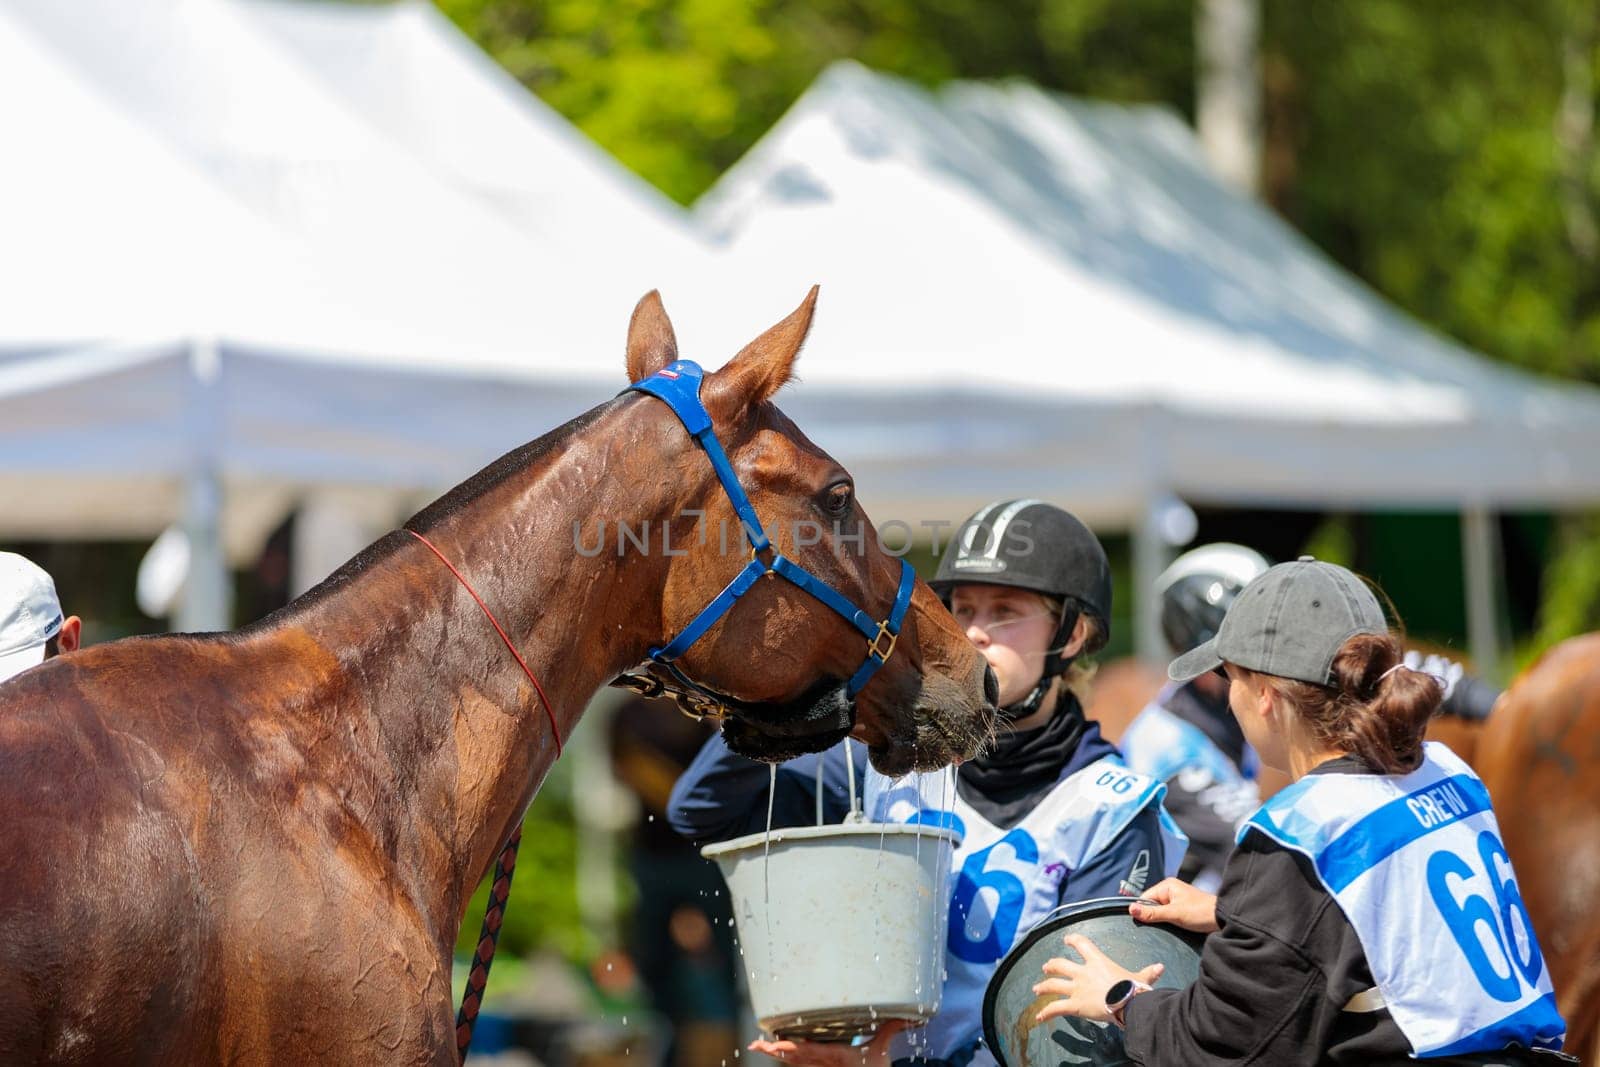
{"x":1030,"y":703}
{"x":1055,"y":665}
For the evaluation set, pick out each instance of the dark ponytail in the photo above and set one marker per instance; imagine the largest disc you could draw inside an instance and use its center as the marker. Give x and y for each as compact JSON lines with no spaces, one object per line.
{"x":1371,"y":709}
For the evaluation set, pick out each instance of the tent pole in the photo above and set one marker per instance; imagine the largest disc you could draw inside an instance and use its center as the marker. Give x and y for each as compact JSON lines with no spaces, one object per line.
{"x":1228,"y":89}
{"x":1151,"y":554}
{"x":1480,"y":559}
{"x":208,"y":593}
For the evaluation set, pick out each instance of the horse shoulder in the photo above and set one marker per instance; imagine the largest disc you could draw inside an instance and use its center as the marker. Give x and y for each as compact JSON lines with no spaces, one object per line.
{"x":1538,"y":755}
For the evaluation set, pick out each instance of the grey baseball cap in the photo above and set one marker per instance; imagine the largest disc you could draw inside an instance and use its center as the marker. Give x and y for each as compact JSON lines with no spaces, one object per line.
{"x":1290,"y":622}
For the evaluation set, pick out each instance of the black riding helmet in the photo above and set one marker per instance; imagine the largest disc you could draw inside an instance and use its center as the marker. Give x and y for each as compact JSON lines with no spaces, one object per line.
{"x":1198,"y":588}
{"x":1028,"y":544}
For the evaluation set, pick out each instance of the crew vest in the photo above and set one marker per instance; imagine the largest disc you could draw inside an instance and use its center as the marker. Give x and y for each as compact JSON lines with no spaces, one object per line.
{"x":1416,"y":864}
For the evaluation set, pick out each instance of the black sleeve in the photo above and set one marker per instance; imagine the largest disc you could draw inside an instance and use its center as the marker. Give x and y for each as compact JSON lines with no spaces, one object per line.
{"x":1273,"y":980}
{"x":1470,"y":698}
{"x":722,"y":795}
{"x":1209,"y":812}
{"x":1133,"y":861}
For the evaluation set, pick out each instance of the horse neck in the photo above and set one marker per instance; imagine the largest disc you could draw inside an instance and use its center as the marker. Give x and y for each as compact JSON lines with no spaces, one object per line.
{"x":445,"y":723}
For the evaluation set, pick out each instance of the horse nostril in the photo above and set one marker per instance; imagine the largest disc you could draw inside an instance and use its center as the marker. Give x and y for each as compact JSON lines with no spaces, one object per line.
{"x":991,"y":686}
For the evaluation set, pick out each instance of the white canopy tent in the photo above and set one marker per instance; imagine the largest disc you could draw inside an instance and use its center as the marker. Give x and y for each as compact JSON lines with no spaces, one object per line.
{"x":225,"y":289}
{"x":409,"y":72}
{"x":1065,"y":303}
{"x":123,"y":272}
{"x":205,"y":82}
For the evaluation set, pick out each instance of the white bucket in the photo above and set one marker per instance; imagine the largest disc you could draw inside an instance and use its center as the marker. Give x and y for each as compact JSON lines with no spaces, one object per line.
{"x":841,"y":927}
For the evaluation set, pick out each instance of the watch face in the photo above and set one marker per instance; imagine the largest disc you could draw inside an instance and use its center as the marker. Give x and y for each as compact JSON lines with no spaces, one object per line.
{"x":1119,"y":992}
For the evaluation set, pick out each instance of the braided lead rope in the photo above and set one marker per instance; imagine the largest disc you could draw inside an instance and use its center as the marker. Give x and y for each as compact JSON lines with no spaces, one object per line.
{"x":488,"y":939}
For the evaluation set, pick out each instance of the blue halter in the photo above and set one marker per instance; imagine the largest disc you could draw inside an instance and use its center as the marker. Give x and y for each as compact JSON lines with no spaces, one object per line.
{"x":678,"y":386}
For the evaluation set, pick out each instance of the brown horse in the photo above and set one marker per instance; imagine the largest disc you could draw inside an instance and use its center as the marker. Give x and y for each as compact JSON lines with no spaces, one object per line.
{"x":256,"y":848}
{"x":1539,"y":754}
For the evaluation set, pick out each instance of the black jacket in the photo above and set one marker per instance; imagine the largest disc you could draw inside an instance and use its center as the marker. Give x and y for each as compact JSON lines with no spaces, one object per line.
{"x":1275,"y":977}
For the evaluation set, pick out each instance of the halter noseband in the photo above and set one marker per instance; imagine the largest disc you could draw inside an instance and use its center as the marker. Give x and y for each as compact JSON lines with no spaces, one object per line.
{"x":678,"y":386}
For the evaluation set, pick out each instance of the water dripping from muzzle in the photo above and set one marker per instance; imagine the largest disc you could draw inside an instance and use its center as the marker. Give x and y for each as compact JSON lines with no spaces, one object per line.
{"x":766,"y":868}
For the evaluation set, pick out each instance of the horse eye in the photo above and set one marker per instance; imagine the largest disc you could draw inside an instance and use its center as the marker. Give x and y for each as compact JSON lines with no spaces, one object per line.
{"x":839,"y":497}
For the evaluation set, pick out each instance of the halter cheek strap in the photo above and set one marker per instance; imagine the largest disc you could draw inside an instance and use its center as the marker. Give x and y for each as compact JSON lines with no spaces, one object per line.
{"x":678,"y":386}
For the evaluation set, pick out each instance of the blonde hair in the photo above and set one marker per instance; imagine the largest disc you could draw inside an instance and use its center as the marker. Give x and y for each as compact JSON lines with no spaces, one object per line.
{"x":1078,"y":679}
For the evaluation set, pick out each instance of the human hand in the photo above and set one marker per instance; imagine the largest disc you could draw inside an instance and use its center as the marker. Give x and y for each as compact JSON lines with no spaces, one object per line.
{"x":1082,"y":986}
{"x":874,"y":1053}
{"x":1178,"y":903}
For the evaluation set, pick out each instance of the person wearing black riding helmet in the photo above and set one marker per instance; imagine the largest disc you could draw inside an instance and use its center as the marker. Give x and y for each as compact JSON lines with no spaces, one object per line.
{"x":1032,"y":586}
{"x":1187,"y":737}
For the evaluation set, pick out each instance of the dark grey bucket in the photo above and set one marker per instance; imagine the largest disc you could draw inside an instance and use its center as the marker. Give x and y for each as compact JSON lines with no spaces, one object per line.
{"x":1009,"y":1004}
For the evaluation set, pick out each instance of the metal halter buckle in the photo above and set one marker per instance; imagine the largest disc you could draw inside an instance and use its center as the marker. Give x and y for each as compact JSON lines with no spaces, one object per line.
{"x":884,"y":634}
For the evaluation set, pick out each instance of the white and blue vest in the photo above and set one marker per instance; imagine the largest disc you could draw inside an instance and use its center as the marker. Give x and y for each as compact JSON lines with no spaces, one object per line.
{"x":1005,"y":881}
{"x":1160,"y":744}
{"x":1416,"y":863}
{"x":1164,"y":746}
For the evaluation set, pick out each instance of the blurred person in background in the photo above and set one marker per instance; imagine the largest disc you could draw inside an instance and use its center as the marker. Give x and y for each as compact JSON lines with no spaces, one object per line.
{"x":1187,"y":737}
{"x":1050,"y":800}
{"x":32,"y":626}
{"x":681,"y":936}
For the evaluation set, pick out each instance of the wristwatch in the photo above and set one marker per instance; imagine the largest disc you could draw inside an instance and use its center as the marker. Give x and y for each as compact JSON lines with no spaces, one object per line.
{"x":1119,"y":994}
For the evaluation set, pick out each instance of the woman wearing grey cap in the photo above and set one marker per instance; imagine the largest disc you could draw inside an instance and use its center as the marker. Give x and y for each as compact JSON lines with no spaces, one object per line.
{"x":1370,"y":912}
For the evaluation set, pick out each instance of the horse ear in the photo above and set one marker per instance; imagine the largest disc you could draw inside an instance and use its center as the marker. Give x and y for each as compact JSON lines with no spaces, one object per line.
{"x":651,"y":342}
{"x":763,"y":366}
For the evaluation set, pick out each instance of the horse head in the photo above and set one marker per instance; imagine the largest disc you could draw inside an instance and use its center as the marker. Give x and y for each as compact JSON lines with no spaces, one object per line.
{"x":790,"y":669}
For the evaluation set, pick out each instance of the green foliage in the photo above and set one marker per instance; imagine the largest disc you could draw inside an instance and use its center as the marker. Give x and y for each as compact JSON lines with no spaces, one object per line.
{"x":1418,"y":142}
{"x":543,"y":910}
{"x":1333,"y":541}
{"x":679,"y":89}
{"x":1571,"y":602}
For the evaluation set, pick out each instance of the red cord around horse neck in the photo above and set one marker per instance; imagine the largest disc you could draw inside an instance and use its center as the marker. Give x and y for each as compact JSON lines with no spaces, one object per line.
{"x":549,"y":711}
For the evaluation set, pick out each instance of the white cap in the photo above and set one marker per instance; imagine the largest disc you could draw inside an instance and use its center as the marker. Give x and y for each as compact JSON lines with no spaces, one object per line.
{"x":30,"y":614}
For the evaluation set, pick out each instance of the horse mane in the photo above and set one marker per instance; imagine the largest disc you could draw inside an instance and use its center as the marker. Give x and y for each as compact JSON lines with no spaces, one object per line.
{"x":515,"y":462}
